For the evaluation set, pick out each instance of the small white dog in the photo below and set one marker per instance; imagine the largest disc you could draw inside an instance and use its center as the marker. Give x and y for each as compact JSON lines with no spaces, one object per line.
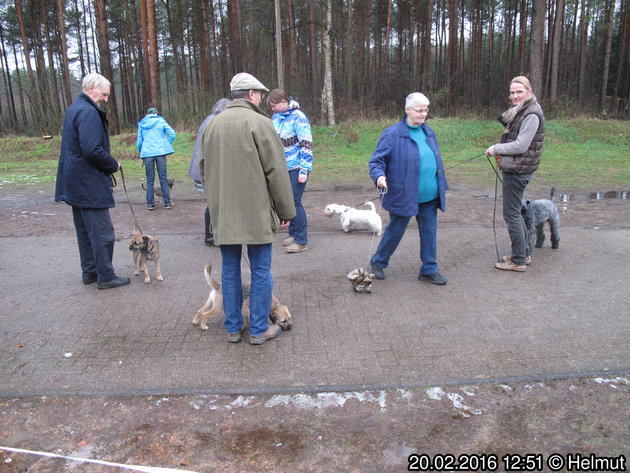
{"x":355,"y":219}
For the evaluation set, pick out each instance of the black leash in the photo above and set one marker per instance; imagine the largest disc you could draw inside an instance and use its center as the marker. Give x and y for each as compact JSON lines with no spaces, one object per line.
{"x":135,"y":220}
{"x":464,"y":161}
{"x":494,"y":169}
{"x":494,"y":215}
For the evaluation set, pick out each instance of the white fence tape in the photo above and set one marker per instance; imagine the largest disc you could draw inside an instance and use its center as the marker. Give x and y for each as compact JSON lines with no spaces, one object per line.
{"x":144,"y":469}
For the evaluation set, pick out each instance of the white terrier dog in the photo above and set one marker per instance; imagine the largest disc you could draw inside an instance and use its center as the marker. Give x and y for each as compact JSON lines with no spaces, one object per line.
{"x":355,"y":219}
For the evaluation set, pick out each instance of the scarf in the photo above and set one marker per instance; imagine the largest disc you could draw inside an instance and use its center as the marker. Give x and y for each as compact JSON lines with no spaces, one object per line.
{"x":507,"y":116}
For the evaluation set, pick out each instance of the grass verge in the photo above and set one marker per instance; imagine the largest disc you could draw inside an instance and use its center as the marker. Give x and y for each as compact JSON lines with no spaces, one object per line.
{"x":579,"y":154}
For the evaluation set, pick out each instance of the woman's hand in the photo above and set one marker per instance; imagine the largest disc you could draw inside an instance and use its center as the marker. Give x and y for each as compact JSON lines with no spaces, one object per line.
{"x":381,"y":182}
{"x":302,"y":178}
{"x":490,"y":151}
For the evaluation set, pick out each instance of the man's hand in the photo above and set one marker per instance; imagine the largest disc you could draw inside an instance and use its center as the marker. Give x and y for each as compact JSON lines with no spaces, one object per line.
{"x":381,"y":182}
{"x":302,"y":178}
{"x":284,"y":224}
{"x":490,"y":151}
{"x":119,"y":166}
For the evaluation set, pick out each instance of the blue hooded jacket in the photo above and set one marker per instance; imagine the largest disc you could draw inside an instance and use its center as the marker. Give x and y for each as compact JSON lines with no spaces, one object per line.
{"x":85,"y":163}
{"x":397,"y":158}
{"x":294,"y":130}
{"x":155,"y":137}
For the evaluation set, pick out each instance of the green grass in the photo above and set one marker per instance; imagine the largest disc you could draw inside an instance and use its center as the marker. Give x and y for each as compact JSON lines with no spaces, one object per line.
{"x":579,"y":154}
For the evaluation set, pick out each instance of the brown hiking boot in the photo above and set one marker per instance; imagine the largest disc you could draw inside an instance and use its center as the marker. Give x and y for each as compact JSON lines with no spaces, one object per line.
{"x":528,"y":259}
{"x":509,"y":266}
{"x":272,"y":332}
{"x":296,"y":248}
{"x":234,"y":337}
{"x":288,"y":241}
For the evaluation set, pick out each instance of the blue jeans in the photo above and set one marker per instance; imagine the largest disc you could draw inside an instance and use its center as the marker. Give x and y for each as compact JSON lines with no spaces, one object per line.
{"x":149,"y":166}
{"x":427,"y":229}
{"x":96,"y":237}
{"x":259,"y":293}
{"x":297,"y":227}
{"x":513,"y":189}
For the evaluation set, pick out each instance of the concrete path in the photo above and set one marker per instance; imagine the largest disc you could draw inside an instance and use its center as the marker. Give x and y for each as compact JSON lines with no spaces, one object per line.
{"x":568,"y":315}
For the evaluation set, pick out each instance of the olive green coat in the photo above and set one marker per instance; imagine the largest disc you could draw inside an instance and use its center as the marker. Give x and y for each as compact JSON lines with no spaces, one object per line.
{"x":245,"y":176}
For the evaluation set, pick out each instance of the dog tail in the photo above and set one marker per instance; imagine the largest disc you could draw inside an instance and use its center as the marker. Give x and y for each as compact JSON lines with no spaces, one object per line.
{"x":371,"y":204}
{"x":553,"y":192}
{"x":211,"y":282}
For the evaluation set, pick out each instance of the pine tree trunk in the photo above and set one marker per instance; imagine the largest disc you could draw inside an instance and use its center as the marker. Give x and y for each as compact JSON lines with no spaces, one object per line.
{"x":328,"y":109}
{"x":65,"y":70}
{"x":102,"y":35}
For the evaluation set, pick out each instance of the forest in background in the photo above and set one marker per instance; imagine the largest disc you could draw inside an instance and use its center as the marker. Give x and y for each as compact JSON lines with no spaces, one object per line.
{"x":343,"y":60}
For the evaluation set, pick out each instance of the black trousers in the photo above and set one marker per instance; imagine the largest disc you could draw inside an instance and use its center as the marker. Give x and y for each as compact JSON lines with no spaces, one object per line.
{"x":96,"y":236}
{"x":208,"y":223}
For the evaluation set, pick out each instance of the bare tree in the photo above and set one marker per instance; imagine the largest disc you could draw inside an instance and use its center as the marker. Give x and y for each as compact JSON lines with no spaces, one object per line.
{"x":328,"y":106}
{"x":609,"y":15}
{"x":65,"y":70}
{"x":536,"y":44}
{"x":279,"y":62}
{"x":556,"y":46}
{"x":32,"y":93}
{"x":105,"y":56}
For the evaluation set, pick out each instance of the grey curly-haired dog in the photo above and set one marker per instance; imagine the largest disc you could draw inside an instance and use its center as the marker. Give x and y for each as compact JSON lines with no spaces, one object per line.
{"x":535,"y":214}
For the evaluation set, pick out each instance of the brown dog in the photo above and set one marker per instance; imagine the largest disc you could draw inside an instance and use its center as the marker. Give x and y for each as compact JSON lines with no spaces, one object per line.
{"x":279,"y":313}
{"x":145,"y":248}
{"x":157,"y":190}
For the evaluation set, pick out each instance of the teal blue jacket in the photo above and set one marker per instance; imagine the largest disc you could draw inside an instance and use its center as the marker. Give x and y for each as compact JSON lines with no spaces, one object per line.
{"x":155,"y":137}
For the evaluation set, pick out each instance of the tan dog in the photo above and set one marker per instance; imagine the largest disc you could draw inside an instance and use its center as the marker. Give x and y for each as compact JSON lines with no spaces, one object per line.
{"x":279,"y":313}
{"x":157,"y":190}
{"x":145,"y":248}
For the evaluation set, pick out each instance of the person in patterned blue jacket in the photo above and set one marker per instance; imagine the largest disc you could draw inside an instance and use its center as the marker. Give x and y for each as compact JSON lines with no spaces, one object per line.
{"x":294,"y":130}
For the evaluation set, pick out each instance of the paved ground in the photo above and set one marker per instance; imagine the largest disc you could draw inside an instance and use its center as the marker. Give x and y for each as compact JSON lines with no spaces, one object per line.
{"x":566,"y":316}
{"x":496,"y":364}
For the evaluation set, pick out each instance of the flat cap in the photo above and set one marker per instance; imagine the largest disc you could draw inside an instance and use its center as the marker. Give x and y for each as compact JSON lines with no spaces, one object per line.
{"x":245,"y":81}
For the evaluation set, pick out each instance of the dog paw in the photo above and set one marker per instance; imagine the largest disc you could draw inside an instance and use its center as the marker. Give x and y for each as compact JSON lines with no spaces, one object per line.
{"x":136,"y":273}
{"x":160,"y":278}
{"x":147,"y":280}
{"x":204,"y":327}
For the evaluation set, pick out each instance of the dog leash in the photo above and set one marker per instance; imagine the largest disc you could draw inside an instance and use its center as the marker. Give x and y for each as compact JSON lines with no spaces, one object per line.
{"x":381,"y":191}
{"x":464,"y":161}
{"x":494,"y":215}
{"x":135,"y":220}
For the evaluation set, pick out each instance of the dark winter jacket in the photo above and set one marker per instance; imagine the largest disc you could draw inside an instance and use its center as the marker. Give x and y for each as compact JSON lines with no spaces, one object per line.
{"x":85,"y":163}
{"x":397,"y":158}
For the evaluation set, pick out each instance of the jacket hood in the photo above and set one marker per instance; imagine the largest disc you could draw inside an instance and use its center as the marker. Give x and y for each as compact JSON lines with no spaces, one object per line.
{"x":149,"y":121}
{"x":293,"y":105}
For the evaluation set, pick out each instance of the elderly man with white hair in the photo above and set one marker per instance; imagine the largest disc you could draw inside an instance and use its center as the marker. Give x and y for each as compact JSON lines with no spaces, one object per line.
{"x":407,"y":164}
{"x":84,"y":181}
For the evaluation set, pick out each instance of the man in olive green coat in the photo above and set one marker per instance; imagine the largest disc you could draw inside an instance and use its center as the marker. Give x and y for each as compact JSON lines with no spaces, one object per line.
{"x":249,"y":195}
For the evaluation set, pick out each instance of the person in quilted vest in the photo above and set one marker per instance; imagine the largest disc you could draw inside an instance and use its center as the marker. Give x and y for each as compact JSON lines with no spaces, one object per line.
{"x":518,"y":156}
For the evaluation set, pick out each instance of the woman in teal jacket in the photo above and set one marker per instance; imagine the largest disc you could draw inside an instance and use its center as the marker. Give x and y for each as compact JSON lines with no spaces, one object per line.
{"x":154,"y":144}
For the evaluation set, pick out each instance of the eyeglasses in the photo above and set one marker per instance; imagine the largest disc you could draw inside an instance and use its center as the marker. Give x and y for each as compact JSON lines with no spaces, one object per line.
{"x":420,"y":110}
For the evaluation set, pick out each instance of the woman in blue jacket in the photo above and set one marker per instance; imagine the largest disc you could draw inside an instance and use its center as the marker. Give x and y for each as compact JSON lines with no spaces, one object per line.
{"x":154,"y":144}
{"x":407,"y":163}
